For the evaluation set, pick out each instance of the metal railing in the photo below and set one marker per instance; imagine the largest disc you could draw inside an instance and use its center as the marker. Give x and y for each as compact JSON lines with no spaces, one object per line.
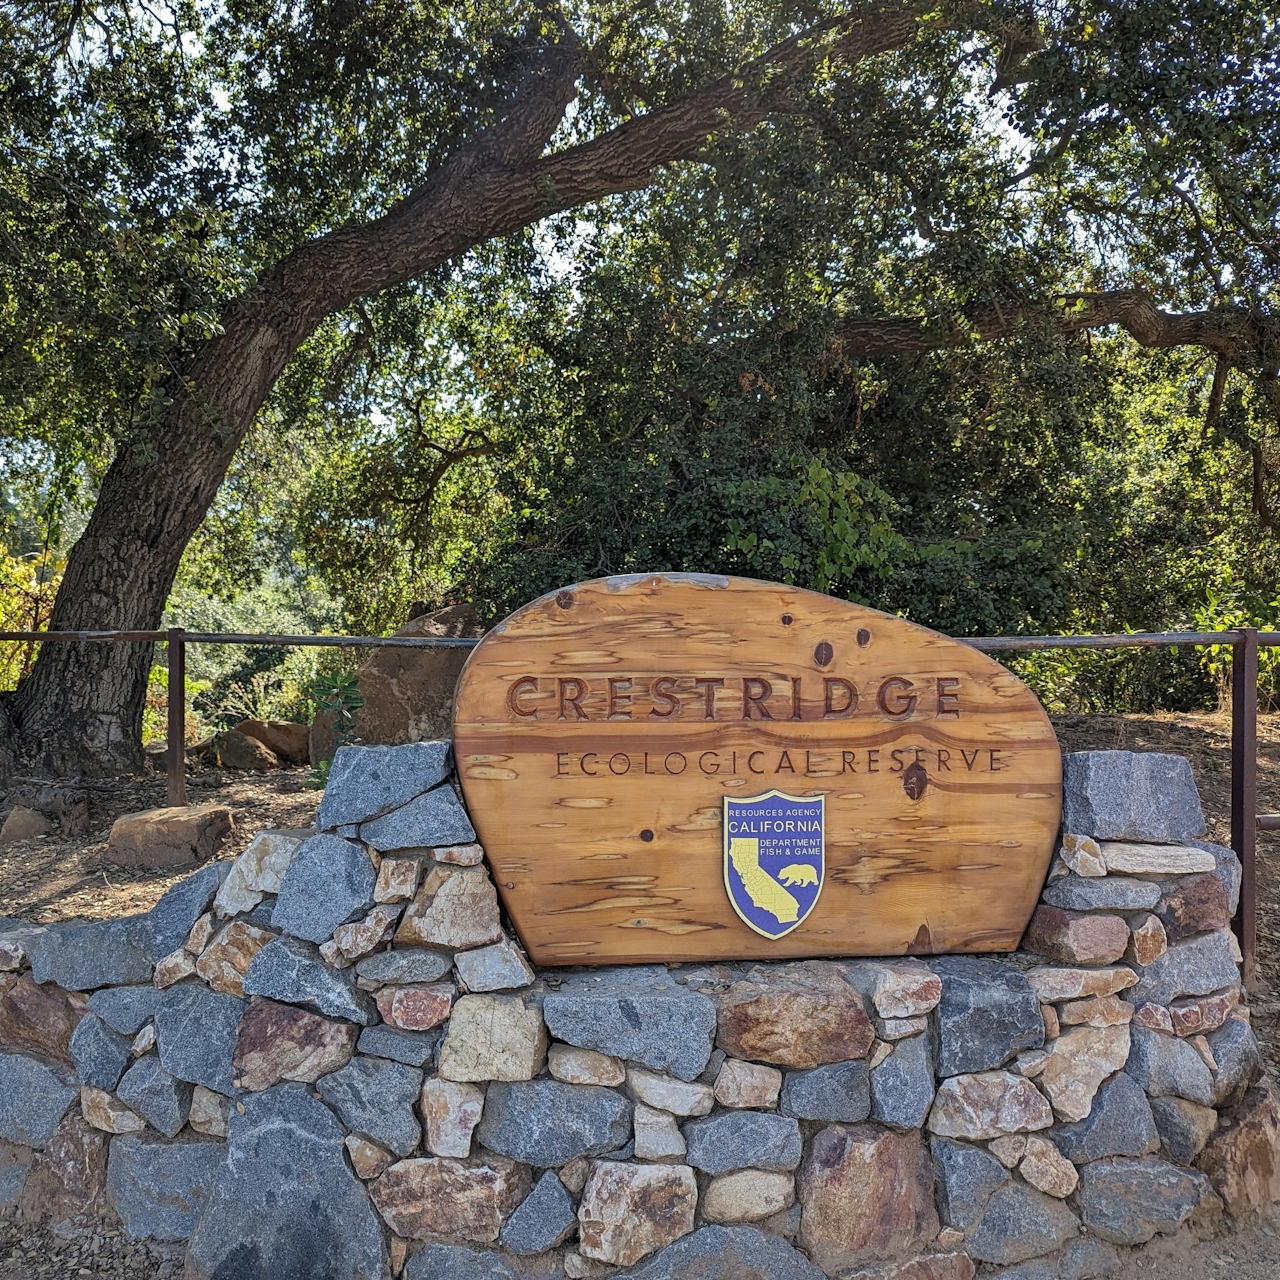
{"x":1245,"y":642}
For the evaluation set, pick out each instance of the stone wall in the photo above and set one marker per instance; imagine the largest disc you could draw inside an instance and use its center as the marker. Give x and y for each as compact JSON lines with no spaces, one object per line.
{"x":331,"y":1060}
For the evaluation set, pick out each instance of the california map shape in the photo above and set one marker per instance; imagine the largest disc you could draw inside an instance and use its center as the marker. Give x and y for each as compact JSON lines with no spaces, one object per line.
{"x":763,"y":890}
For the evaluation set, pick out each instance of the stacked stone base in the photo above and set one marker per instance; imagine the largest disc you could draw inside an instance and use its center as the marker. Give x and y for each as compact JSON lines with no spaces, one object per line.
{"x":331,"y":1060}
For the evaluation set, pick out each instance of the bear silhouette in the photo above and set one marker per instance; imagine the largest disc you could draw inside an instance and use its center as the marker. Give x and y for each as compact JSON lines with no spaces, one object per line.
{"x":798,"y":873}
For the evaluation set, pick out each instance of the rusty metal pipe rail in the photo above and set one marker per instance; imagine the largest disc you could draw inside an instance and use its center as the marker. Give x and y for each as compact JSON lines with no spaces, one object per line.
{"x":1245,"y":642}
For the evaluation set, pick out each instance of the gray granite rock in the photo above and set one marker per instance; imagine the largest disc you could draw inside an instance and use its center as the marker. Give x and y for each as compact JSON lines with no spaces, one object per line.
{"x":293,"y":973}
{"x":499,"y":967}
{"x":125,"y":1009}
{"x":839,"y":1091}
{"x":1120,"y":1124}
{"x":1129,"y":1201}
{"x":542,"y":1220}
{"x":410,"y":964}
{"x":726,"y":1253}
{"x":902,"y":1086}
{"x":1020,"y":1223}
{"x":260,"y":916}
{"x":1239,"y":1060}
{"x":329,"y":882}
{"x":967,"y":1177}
{"x":987,"y":1013}
{"x":196,"y":1034}
{"x":13,"y":1174}
{"x":1166,"y":1066}
{"x":640,"y":1014}
{"x":1102,"y":893}
{"x":160,"y":1099}
{"x":287,"y":1206}
{"x":1228,"y":870}
{"x":1196,"y":967}
{"x":1130,"y":795}
{"x":436,"y":818}
{"x":457,"y":1262}
{"x":1036,"y":1269}
{"x":1088,"y":1260}
{"x":547,"y":1123}
{"x":82,"y":957}
{"x":1184,"y":1127}
{"x":160,"y":1188}
{"x":375,"y":1097}
{"x":416,"y":1048}
{"x":100,"y":1054}
{"x":743,"y":1140}
{"x":33,"y":1098}
{"x":170,"y":920}
{"x":366,"y":782}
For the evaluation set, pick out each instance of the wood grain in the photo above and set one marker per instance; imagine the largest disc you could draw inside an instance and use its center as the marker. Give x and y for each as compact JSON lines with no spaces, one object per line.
{"x":595,"y":778}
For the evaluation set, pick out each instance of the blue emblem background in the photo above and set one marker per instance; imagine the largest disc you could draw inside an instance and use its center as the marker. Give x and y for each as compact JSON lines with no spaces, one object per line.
{"x":792,"y":861}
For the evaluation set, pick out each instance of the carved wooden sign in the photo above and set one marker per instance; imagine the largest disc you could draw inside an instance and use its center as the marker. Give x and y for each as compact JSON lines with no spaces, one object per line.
{"x":691,"y":767}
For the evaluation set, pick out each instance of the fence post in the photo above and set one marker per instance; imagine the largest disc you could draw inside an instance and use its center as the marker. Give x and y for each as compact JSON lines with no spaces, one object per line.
{"x":1244,"y":789}
{"x":177,"y":735}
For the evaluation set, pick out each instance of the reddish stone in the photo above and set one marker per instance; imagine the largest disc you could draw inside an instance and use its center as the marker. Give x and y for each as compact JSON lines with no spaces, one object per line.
{"x":1243,"y":1159}
{"x":227,"y":958}
{"x":282,"y":1042}
{"x":440,"y":1197}
{"x":928,"y":1266}
{"x":1153,"y":1016}
{"x":40,"y":1019}
{"x":1197,"y":903}
{"x":866,"y":1194}
{"x":629,"y":1210}
{"x":1074,"y":938}
{"x":417,"y":1006}
{"x":69,"y":1177}
{"x":803,"y":1016}
{"x":1207,"y":1013}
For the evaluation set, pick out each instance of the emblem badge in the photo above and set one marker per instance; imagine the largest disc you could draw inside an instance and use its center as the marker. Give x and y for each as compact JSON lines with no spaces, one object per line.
{"x":774,"y":859}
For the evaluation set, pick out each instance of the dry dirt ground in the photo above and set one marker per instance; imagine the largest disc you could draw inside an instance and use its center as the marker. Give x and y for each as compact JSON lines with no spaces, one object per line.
{"x":56,"y":879}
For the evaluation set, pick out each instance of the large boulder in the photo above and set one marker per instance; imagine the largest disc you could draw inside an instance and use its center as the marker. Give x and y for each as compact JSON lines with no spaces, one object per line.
{"x":408,"y":693}
{"x":287,"y":741}
{"x":173,"y":837}
{"x":1128,"y":795}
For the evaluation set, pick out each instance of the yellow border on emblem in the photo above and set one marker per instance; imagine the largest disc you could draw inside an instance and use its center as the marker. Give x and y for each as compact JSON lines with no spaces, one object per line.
{"x":821,"y":797}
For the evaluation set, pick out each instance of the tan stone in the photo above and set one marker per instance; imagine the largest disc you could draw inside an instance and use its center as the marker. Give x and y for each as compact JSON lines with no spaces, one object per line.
{"x":436,"y":1196}
{"x":1031,"y":1062}
{"x":284,"y":739}
{"x":367,"y":1158}
{"x":1052,"y":1023}
{"x":747,"y":1084}
{"x":748,"y":1195}
{"x":1194,"y":1017}
{"x":1083,"y":856}
{"x":456,"y":907}
{"x":866,"y":1193}
{"x":1009,"y":1149}
{"x":209,"y":1112}
{"x":103,"y":1111}
{"x":14,"y":947}
{"x":1201,"y":1045}
{"x":1097,"y":1011}
{"x":332,"y":955}
{"x":227,"y":958}
{"x":493,"y":1038}
{"x":460,"y":855}
{"x":576,"y":1267}
{"x":680,"y":1097}
{"x":1147,"y":940}
{"x":144,"y":1041}
{"x":174,"y":967}
{"x":451,"y":1111}
{"x":259,"y":870}
{"x":1079,"y":1061}
{"x":629,"y":1210}
{"x":896,"y":988}
{"x":1156,"y":859}
{"x":397,"y":879}
{"x":40,"y":1019}
{"x":574,"y":1174}
{"x":417,"y":1006}
{"x":232,"y":749}
{"x":584,"y":1066}
{"x":1074,"y":938}
{"x":24,"y":824}
{"x":354,"y":941}
{"x":804,"y":1015}
{"x":901,"y":1028}
{"x":169,"y":837}
{"x":1154,"y":1016}
{"x":657,"y":1134}
{"x":69,"y":1177}
{"x":1047,"y":1169}
{"x":986,"y":1105}
{"x":283,"y":1042}
{"x":925,"y":1266}
{"x":200,"y":934}
{"x":1243,"y":1158}
{"x":880,"y":1050}
{"x":1052,"y":984}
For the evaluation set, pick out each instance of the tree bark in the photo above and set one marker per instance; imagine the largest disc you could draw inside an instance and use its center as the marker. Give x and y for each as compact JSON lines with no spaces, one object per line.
{"x":80,"y":710}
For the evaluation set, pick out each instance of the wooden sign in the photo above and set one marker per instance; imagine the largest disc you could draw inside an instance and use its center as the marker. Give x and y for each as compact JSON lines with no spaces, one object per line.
{"x":643,"y":758}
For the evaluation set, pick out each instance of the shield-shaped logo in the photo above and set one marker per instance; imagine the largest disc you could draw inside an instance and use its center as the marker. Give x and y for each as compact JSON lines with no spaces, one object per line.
{"x":774,"y":859}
